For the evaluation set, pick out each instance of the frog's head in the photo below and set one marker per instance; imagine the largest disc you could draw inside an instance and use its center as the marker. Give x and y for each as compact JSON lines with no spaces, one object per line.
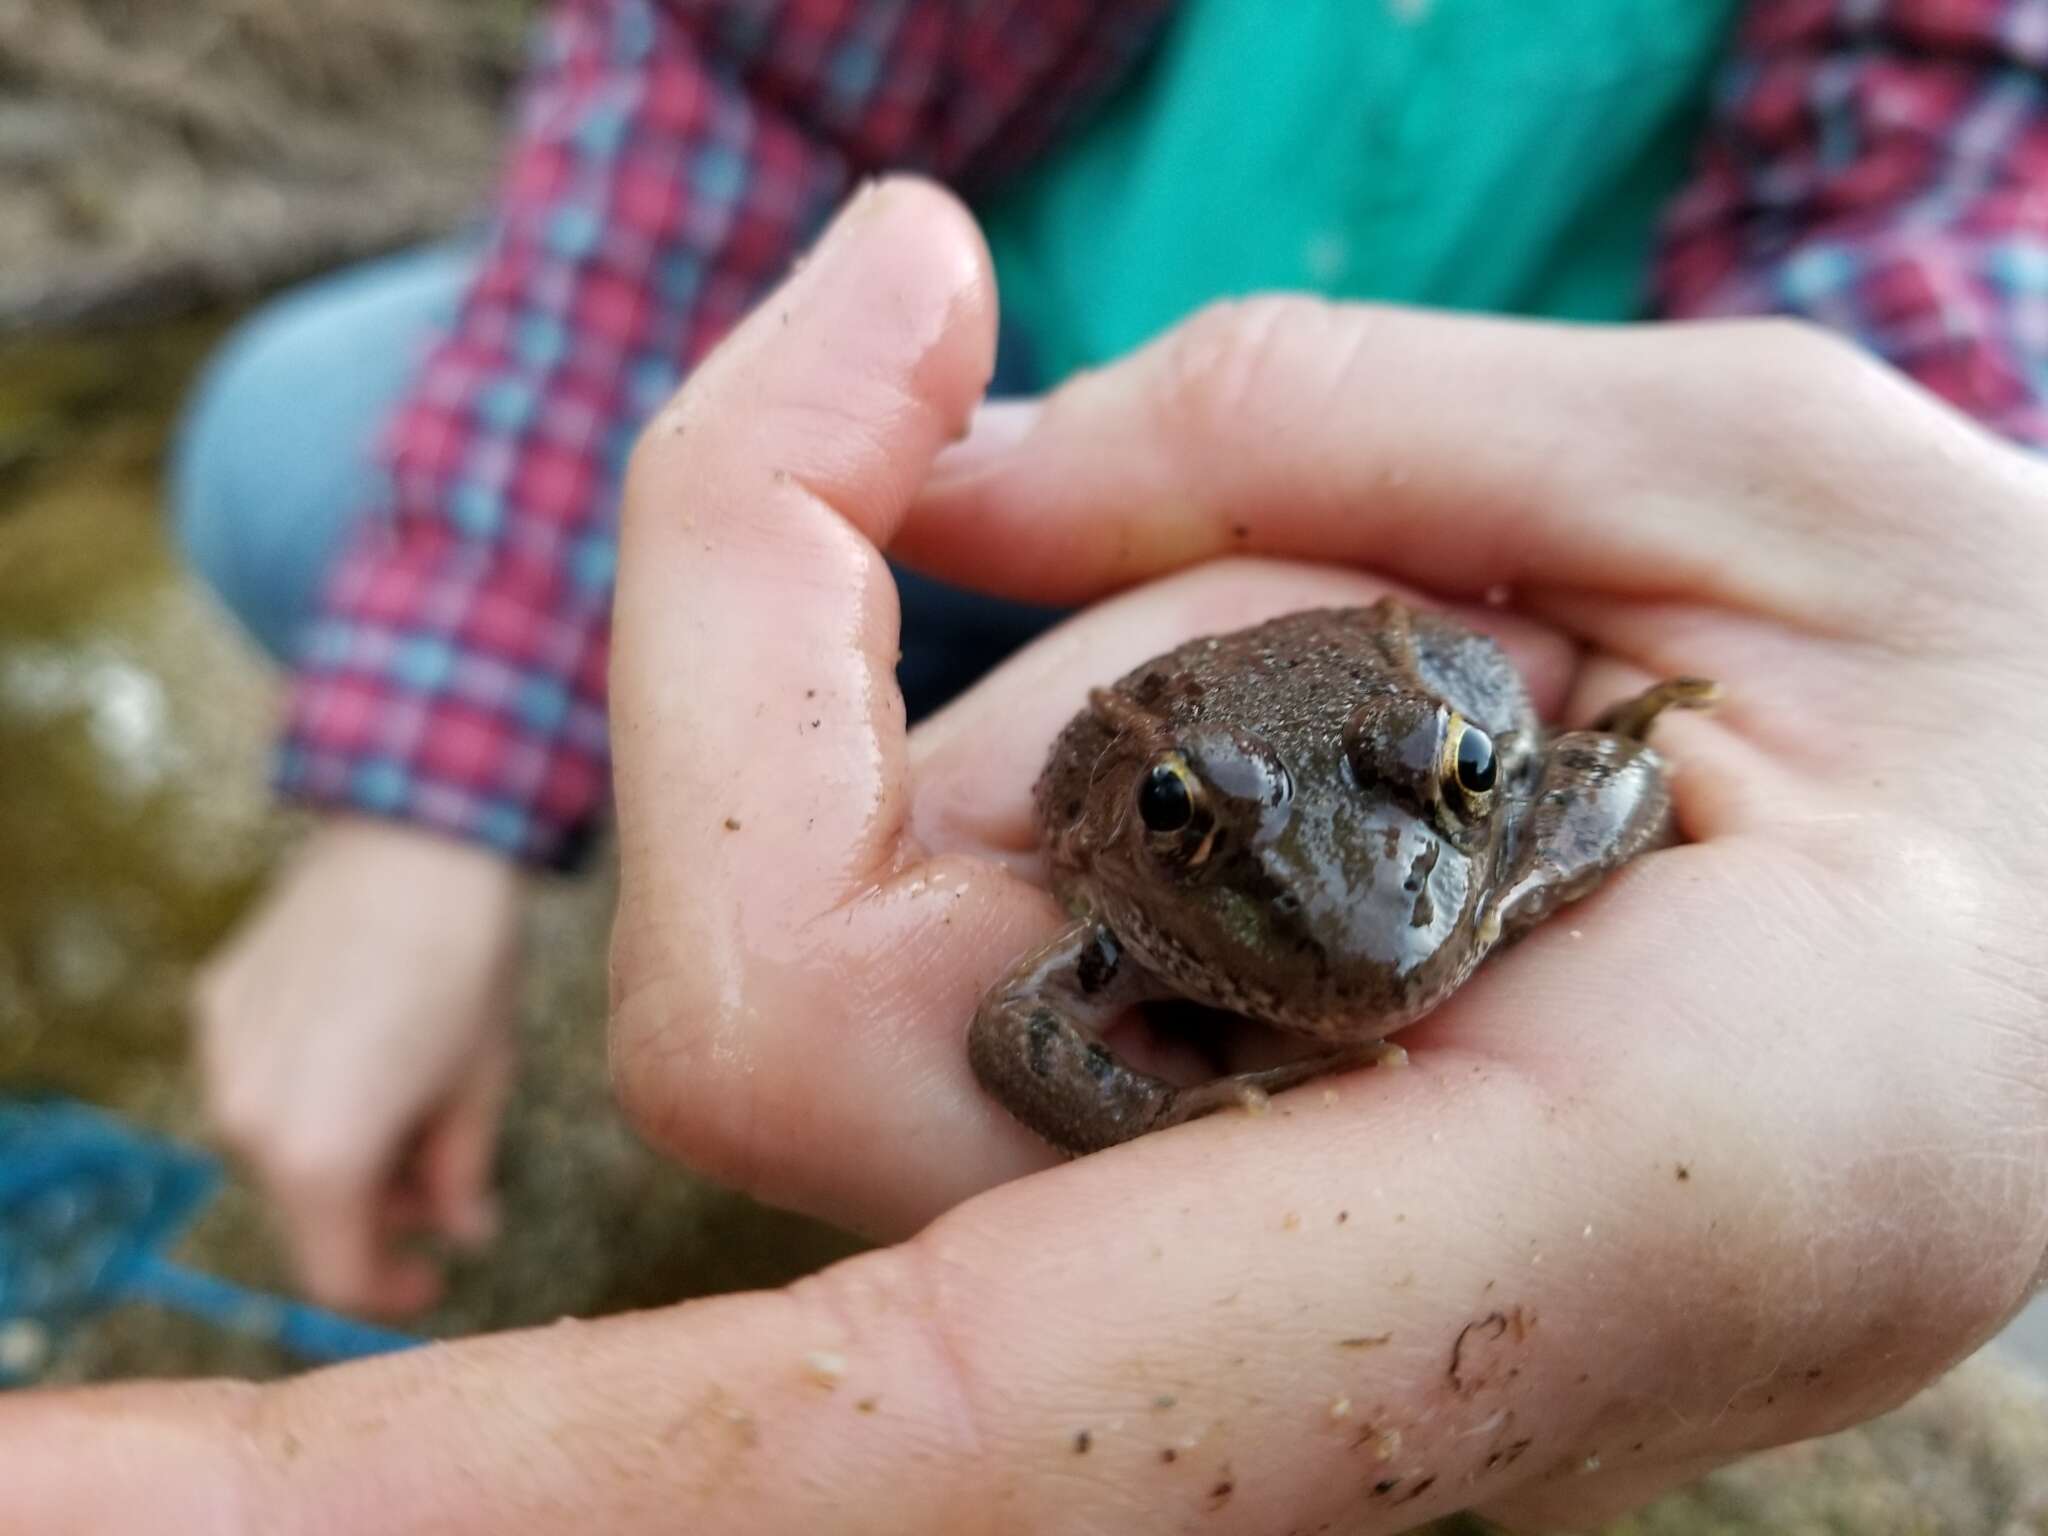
{"x":1341,"y":883}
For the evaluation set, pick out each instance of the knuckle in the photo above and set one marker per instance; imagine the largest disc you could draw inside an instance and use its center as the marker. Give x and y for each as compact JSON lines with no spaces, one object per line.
{"x":237,"y":1116}
{"x":681,"y":1094}
{"x":925,"y":1303}
{"x":1807,"y":357}
{"x":1216,"y":368}
{"x":315,"y":1161}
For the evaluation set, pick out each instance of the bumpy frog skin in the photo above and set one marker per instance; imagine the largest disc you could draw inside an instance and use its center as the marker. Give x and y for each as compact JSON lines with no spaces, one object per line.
{"x":1322,"y":823}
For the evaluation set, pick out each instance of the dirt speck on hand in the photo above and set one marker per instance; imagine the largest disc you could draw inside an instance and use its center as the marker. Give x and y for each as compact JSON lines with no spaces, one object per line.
{"x":1418,"y":1490}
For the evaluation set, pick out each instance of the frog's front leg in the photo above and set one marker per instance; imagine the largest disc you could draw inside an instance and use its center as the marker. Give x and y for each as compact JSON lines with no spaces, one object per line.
{"x":1603,"y":798}
{"x":1036,"y":1042}
{"x":1036,"y":1045}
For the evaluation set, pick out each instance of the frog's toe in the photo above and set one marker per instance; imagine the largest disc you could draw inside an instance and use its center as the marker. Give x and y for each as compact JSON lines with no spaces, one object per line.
{"x":1634,"y":717}
{"x":1252,"y":1091}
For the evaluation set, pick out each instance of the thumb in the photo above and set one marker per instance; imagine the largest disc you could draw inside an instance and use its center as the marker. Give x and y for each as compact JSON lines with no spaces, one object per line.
{"x":760,"y":756}
{"x":753,"y":517}
{"x":1460,"y":453}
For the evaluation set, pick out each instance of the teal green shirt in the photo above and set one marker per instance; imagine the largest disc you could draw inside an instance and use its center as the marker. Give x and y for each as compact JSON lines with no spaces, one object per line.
{"x":1502,"y":155}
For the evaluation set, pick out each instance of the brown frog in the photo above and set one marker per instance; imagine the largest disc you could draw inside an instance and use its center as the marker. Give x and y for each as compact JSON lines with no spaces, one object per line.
{"x":1322,"y":823}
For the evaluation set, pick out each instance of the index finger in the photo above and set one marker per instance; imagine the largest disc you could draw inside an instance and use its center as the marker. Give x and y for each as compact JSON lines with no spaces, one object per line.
{"x":1752,"y":465}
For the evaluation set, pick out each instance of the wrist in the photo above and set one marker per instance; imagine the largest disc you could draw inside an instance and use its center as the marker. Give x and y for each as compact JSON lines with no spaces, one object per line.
{"x":397,"y":857}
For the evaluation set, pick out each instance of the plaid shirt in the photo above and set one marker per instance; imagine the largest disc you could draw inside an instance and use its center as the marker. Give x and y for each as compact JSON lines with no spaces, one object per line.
{"x":1878,"y":165}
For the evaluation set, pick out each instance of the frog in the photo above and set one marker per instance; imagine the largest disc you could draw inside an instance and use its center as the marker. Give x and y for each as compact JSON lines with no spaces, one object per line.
{"x":1323,"y":824}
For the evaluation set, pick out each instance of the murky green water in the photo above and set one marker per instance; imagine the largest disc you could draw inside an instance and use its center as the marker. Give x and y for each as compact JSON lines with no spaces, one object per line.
{"x":130,"y":828}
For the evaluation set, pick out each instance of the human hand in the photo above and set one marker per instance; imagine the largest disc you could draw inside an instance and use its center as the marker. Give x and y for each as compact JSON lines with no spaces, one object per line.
{"x":356,"y":1048}
{"x":1747,"y":1146}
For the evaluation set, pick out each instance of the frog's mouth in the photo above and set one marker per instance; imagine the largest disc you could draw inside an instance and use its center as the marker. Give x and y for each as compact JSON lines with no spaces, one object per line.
{"x":1188,"y":1044}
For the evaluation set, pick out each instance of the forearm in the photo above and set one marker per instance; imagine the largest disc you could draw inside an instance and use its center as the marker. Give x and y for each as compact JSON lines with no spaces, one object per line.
{"x":455,"y":676}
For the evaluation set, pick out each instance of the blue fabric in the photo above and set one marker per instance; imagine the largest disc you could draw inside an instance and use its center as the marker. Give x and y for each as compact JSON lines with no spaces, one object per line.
{"x":272,"y":461}
{"x":89,"y":1205}
{"x":272,"y":465}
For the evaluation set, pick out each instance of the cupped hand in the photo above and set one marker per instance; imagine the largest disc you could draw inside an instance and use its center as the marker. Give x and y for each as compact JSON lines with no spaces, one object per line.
{"x":1747,"y":1146}
{"x":355,"y":1042}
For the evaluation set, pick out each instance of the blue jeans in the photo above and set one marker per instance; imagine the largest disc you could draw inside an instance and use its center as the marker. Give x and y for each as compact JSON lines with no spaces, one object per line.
{"x":272,"y":464}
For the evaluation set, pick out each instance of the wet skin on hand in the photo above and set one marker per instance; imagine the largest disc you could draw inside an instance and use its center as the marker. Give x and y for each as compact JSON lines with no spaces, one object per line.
{"x":1323,"y":824}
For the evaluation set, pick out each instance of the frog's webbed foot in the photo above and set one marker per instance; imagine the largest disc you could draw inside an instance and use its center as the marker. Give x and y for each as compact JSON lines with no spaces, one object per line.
{"x":1634,"y":717}
{"x":1603,"y":799}
{"x":1036,"y":1046}
{"x":1035,"y":1043}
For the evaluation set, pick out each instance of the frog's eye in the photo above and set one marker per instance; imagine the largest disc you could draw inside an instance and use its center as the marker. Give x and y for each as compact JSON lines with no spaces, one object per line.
{"x":1166,"y":796}
{"x":1179,"y":813}
{"x":1475,"y":765}
{"x":1469,"y":767}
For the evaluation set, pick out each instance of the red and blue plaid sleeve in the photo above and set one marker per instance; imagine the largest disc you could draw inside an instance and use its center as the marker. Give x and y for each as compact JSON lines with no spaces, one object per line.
{"x":1881,"y":167}
{"x":668,"y":162}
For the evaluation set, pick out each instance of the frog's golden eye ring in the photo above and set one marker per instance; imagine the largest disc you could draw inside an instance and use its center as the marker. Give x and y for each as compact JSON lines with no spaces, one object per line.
{"x":1166,"y":796}
{"x":1178,"y":812}
{"x":1475,"y":767}
{"x":1469,"y":766}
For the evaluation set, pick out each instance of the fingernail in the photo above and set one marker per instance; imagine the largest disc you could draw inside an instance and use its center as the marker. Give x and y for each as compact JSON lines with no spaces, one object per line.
{"x":993,"y":436}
